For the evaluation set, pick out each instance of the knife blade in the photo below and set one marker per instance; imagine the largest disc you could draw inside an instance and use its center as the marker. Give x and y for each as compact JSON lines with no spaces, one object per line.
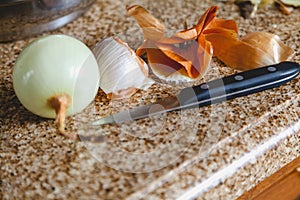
{"x":215,"y":91}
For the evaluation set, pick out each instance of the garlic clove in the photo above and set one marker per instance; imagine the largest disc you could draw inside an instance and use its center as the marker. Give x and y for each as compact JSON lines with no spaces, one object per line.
{"x":121,"y":70}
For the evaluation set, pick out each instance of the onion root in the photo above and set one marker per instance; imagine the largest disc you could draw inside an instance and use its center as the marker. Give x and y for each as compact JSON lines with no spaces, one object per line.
{"x":60,"y":104}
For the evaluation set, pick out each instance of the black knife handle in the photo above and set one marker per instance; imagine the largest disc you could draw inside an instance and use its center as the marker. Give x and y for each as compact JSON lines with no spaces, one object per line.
{"x":240,"y":84}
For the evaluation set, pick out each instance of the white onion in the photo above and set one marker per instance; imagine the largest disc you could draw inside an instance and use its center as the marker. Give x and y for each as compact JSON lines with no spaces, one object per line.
{"x":53,"y":67}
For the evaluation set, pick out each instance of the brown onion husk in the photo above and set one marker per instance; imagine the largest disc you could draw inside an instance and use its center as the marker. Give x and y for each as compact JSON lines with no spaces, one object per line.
{"x":187,"y":54}
{"x":254,"y":50}
{"x":184,"y":56}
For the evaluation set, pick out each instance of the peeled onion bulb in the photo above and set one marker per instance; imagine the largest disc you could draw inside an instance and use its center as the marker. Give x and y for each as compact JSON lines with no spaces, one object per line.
{"x":56,"y":76}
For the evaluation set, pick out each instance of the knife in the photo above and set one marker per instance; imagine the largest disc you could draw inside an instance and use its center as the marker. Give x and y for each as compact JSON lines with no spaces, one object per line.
{"x":216,"y":91}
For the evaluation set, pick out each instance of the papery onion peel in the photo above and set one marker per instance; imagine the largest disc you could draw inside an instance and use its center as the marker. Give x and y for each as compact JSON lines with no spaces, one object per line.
{"x":187,"y":54}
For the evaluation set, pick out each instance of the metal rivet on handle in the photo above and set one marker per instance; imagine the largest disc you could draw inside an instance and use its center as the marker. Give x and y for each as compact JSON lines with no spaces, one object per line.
{"x":204,"y":86}
{"x":271,"y":69}
{"x":238,"y":77}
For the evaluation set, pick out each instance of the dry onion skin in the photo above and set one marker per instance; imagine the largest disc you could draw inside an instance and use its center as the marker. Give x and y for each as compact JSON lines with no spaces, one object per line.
{"x":122,"y":72}
{"x":254,"y":50}
{"x":56,"y":76}
{"x":181,"y":54}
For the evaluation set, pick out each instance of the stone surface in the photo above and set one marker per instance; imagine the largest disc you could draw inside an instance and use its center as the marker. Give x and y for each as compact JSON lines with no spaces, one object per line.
{"x":163,"y":157}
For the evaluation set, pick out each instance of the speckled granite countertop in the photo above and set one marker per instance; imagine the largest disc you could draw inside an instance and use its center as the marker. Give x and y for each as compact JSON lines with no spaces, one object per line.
{"x":214,"y":152}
